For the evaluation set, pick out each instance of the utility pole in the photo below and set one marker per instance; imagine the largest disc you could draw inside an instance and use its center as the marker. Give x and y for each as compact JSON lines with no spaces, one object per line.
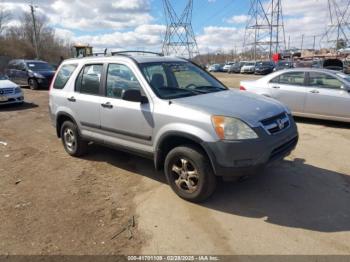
{"x":314,"y":45}
{"x":32,"y":10}
{"x":302,"y":42}
{"x":289,"y":42}
{"x":179,"y":37}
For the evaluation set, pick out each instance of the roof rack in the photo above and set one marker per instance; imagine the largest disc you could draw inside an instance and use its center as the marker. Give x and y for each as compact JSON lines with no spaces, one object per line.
{"x":141,"y":52}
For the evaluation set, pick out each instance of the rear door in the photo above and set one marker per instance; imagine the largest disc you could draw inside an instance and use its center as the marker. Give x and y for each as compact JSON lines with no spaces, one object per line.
{"x":85,"y":101}
{"x":125,"y":122}
{"x":290,"y":89}
{"x":326,"y":96}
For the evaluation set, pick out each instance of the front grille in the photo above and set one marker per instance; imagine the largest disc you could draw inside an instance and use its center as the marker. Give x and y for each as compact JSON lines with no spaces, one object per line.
{"x":7,"y":91}
{"x":284,"y":149}
{"x":276,"y":124}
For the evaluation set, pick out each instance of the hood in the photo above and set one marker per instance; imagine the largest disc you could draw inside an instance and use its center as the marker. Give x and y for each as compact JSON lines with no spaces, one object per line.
{"x":7,"y":84}
{"x":250,"y":108}
{"x":44,"y":73}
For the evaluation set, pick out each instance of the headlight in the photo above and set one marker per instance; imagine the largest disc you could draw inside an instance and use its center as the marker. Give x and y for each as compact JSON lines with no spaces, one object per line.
{"x":228,"y":128}
{"x":38,"y":75}
{"x":18,"y":90}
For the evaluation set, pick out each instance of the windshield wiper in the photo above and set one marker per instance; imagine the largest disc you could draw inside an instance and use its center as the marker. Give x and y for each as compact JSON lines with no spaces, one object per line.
{"x":210,"y":89}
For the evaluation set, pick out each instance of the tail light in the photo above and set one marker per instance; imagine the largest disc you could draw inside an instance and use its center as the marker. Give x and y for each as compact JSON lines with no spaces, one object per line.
{"x":242,"y":88}
{"x":53,"y":79}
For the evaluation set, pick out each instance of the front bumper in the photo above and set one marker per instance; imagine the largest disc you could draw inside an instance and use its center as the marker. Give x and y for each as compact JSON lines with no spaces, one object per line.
{"x":236,"y":158}
{"x":44,"y":82}
{"x":248,"y":71}
{"x":12,"y":99}
{"x":263,"y":71}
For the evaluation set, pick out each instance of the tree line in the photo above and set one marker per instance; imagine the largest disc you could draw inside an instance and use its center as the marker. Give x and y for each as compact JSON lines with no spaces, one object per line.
{"x":18,"y":41}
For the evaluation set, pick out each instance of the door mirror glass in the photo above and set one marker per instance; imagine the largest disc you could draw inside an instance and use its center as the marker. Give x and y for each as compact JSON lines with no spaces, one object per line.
{"x":133,"y":95}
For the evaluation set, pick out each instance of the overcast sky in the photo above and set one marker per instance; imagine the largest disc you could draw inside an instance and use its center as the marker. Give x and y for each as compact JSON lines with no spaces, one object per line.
{"x":139,"y":24}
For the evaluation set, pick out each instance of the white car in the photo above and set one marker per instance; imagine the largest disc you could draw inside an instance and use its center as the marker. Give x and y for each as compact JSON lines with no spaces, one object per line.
{"x":308,"y":92}
{"x":227,"y":66}
{"x":248,"y":68}
{"x":10,"y":93}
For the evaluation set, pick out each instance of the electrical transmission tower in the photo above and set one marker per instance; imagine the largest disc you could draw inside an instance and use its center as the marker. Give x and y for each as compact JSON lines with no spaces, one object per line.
{"x":265,"y":28}
{"x":179,"y":37}
{"x":338,"y":32}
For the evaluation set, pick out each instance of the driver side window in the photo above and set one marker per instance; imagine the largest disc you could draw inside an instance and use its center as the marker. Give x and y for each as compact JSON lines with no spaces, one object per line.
{"x":120,"y":78}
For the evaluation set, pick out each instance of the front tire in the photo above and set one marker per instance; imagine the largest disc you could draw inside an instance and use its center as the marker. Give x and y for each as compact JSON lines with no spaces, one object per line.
{"x":72,"y":141}
{"x":189,"y":173}
{"x":33,"y":84}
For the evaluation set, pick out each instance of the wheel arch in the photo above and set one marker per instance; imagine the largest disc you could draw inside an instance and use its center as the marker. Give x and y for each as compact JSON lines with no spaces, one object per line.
{"x":170,"y":140}
{"x":60,"y":119}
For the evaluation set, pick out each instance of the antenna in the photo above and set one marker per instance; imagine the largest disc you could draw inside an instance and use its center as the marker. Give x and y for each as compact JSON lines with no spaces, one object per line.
{"x":338,"y":31}
{"x":265,"y":28}
{"x":179,"y":37}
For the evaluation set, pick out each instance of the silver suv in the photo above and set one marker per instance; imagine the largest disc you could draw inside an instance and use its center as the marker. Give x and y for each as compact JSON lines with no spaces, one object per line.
{"x":170,"y":110}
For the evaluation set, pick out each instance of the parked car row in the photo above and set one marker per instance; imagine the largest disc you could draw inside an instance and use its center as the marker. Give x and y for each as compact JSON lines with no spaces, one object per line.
{"x":267,"y":67}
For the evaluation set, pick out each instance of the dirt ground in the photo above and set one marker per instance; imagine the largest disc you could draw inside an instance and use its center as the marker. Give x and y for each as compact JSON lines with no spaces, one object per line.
{"x":51,"y":203}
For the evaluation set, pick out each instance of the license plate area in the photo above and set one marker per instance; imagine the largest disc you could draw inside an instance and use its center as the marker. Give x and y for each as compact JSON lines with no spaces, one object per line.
{"x":3,"y":98}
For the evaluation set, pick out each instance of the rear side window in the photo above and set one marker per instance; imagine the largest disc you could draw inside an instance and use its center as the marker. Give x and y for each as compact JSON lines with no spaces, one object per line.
{"x":88,"y":81}
{"x":63,"y":75}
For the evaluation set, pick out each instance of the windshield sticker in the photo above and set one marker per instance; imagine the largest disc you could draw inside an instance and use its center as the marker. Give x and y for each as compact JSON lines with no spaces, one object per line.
{"x":31,"y":65}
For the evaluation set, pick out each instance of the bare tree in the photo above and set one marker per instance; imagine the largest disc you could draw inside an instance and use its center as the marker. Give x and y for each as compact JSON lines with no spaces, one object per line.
{"x":5,"y":17}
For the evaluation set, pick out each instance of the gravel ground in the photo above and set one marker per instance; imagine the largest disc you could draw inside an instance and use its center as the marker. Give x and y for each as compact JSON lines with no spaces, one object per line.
{"x":51,"y":203}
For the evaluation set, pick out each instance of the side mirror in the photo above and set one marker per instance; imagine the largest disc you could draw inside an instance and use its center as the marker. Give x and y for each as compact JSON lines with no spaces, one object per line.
{"x":134,"y":95}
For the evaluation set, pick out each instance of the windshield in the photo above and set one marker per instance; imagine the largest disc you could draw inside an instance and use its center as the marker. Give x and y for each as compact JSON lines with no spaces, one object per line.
{"x":250,"y":64}
{"x":170,"y":80}
{"x":263,"y":64}
{"x":3,"y":77}
{"x":344,"y":76}
{"x":284,"y":63}
{"x":39,"y":66}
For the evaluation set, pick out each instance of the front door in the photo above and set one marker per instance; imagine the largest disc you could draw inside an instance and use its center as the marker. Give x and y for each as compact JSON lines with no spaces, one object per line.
{"x":125,"y":122}
{"x":326,"y":96}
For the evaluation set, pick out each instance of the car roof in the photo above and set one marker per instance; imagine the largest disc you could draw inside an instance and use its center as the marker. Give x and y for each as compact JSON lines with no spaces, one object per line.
{"x":137,"y":58}
{"x":308,"y":69}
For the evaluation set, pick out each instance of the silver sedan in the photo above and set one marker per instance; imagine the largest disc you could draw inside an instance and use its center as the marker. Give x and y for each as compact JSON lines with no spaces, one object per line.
{"x":314,"y":93}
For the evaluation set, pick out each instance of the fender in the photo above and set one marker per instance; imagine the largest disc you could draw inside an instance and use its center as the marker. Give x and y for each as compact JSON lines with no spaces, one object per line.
{"x":158,"y":152}
{"x":58,"y":115}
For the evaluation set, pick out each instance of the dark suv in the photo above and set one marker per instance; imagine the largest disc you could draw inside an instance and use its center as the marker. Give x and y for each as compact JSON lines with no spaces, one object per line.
{"x":35,"y":73}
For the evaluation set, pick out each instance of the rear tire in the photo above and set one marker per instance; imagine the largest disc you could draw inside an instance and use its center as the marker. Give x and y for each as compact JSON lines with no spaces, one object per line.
{"x":72,"y":141}
{"x":189,"y":173}
{"x":33,"y":84}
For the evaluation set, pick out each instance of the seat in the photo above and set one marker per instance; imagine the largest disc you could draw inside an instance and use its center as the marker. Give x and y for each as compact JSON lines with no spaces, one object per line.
{"x":157,"y":81}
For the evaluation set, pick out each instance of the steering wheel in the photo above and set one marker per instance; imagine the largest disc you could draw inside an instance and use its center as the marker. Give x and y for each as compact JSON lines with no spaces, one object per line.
{"x":188,"y":86}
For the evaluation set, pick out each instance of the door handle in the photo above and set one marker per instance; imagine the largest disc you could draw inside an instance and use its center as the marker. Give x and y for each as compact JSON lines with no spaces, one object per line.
{"x":107,"y":105}
{"x":276,"y":87}
{"x":71,"y":99}
{"x":314,"y":91}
